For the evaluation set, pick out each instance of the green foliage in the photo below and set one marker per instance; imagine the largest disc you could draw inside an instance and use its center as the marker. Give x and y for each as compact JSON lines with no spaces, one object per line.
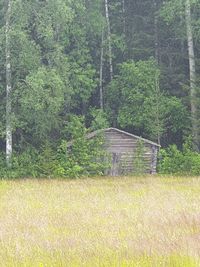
{"x":171,"y":10}
{"x":46,"y":162}
{"x":40,"y":99}
{"x":175,"y":161}
{"x":55,"y":63}
{"x":24,"y":164}
{"x":139,"y":103}
{"x":99,"y":119}
{"x":82,"y":77}
{"x":82,"y":156}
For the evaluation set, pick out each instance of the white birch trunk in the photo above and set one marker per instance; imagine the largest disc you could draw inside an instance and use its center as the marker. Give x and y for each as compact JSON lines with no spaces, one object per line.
{"x":192,"y":69}
{"x":8,"y":89}
{"x":109,"y":40}
{"x":101,"y":72}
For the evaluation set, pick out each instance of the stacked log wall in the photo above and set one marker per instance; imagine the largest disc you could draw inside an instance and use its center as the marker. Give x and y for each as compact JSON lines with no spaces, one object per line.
{"x":126,"y":147}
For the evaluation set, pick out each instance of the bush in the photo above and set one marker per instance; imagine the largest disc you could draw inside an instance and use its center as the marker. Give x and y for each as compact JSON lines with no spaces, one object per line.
{"x":30,"y":163}
{"x":24,"y":164}
{"x":84,"y":157}
{"x":175,"y":161}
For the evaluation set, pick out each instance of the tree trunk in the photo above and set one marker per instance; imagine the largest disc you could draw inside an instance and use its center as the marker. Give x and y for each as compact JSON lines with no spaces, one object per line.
{"x":157,"y":85}
{"x":157,"y":117}
{"x":124,"y":17}
{"x":109,"y":39}
{"x":156,"y":38}
{"x":101,"y":71}
{"x":8,"y":89}
{"x":192,"y":69}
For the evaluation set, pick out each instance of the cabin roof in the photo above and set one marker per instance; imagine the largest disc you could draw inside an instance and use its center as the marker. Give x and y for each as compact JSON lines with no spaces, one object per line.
{"x":95,"y":133}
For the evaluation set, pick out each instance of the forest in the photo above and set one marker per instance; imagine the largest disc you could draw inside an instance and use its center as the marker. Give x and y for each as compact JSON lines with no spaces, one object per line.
{"x":72,"y":66}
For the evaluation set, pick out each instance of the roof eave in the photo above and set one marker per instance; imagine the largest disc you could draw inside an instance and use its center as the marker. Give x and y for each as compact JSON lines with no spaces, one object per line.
{"x":92,"y":134}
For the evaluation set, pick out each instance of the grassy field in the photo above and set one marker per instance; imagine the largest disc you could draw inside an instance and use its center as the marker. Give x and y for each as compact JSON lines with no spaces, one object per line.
{"x":110,"y":222}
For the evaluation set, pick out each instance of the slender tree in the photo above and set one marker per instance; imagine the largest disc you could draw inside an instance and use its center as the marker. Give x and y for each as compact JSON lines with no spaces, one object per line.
{"x":156,"y":37}
{"x":8,"y":89}
{"x":192,"y":70}
{"x":158,"y":119}
{"x":109,"y":39}
{"x":101,"y":71}
{"x":124,"y":17}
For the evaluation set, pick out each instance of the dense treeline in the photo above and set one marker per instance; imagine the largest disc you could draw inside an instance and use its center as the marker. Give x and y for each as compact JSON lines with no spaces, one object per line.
{"x":132,"y":64}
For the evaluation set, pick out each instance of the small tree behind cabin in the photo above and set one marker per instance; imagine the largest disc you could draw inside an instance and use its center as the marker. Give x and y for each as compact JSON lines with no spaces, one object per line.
{"x":81,"y":156}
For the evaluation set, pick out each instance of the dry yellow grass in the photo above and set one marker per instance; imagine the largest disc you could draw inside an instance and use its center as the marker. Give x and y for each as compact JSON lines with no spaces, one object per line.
{"x":125,"y":221}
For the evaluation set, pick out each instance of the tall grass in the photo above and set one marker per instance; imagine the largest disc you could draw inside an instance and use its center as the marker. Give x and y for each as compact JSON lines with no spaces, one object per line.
{"x":125,"y":221}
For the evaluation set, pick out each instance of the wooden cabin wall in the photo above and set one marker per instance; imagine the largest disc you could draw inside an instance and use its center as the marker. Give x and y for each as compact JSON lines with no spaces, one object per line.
{"x":124,"y":156}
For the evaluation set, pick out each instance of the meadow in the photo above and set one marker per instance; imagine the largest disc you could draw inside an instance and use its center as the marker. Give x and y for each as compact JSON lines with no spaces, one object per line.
{"x":108,"y":222}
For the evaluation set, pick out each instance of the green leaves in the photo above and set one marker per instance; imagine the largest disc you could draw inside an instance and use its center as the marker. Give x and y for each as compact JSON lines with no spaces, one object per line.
{"x":53,"y":21}
{"x":41,"y":100}
{"x":171,"y":9}
{"x":84,"y":156}
{"x":52,"y":69}
{"x":143,"y":106}
{"x":25,"y":54}
{"x":175,"y":161}
{"x":55,"y":61}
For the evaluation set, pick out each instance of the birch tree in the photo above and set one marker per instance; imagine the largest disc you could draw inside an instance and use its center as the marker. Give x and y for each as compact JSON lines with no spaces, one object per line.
{"x":101,"y":71}
{"x":182,"y":10}
{"x":192,"y":73}
{"x":8,"y":88}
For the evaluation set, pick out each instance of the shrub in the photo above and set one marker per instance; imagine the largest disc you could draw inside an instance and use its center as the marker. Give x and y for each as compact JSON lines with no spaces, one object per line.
{"x":23,"y":164}
{"x":47,"y":162}
{"x":175,"y":161}
{"x":84,"y":157}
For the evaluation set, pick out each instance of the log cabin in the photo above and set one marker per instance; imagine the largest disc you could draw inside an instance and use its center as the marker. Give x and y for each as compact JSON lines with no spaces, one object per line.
{"x":127,"y":153}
